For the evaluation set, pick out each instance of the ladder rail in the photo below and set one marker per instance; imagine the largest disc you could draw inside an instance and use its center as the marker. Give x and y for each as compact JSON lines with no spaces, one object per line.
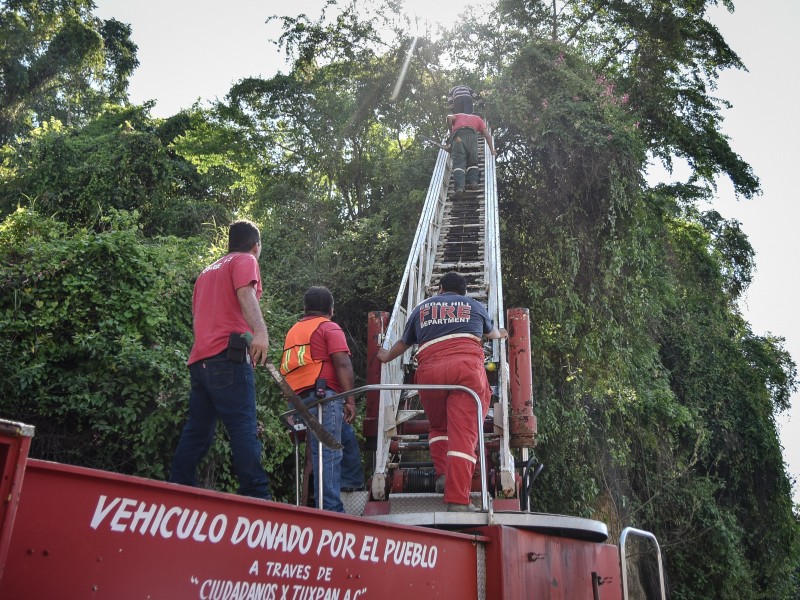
{"x":493,"y":276}
{"x":416,"y":277}
{"x":418,"y":262}
{"x":492,"y":266}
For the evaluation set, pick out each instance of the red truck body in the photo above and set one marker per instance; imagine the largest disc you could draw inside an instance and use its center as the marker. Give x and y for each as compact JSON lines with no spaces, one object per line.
{"x":72,"y":532}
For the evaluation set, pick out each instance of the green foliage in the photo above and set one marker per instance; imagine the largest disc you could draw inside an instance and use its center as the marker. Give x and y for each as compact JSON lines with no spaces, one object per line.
{"x":57,"y":61}
{"x":344,"y":168}
{"x":665,"y":56}
{"x":96,"y":334}
{"x":97,"y":331}
{"x":736,"y":382}
{"x":122,"y":160}
{"x":656,"y":401}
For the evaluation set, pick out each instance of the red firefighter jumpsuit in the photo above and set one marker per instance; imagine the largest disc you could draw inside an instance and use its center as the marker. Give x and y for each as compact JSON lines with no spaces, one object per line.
{"x":453,"y":422}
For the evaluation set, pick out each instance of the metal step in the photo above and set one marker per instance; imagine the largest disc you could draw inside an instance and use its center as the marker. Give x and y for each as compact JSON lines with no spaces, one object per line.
{"x":354,"y":502}
{"x":476,"y":291}
{"x":443,"y":267}
{"x":423,"y":503}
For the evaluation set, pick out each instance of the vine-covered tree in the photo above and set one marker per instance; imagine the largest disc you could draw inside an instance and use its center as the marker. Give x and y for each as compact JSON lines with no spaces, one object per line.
{"x":643,"y":361}
{"x":656,"y":400}
{"x":121,"y":160}
{"x":59,"y":61}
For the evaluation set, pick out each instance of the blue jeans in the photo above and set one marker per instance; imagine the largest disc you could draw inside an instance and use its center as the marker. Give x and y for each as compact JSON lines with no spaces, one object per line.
{"x":225,"y":390}
{"x":332,"y":420}
{"x":352,"y":474}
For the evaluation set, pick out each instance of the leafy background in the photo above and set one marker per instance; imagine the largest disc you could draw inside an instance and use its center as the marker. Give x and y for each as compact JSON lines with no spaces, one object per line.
{"x":656,"y":400}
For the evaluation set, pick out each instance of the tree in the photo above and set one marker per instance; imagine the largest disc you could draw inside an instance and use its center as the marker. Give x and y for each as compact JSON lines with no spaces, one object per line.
{"x":656,"y":401}
{"x":96,"y":330}
{"x":58,"y":61}
{"x":665,"y":56}
{"x":123,"y":160}
{"x":345,"y":168}
{"x":644,"y":366}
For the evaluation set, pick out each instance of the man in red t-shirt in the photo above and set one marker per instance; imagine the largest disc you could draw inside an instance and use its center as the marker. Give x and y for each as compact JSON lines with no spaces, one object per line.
{"x":316,"y":363}
{"x":225,"y":302}
{"x":464,"y":130}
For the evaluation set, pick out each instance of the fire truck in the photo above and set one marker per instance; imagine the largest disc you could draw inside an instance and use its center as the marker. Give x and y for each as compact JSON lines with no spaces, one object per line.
{"x":72,"y":532}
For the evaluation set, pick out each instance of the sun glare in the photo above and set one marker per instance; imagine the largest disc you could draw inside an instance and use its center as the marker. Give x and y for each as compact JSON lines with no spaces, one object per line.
{"x":445,"y":12}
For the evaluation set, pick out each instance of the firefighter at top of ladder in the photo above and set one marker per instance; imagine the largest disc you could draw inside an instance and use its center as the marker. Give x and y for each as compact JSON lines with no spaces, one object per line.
{"x":464,"y":130}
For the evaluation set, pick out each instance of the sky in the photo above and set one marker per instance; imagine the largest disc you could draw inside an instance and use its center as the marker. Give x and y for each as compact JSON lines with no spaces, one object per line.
{"x":194,"y":50}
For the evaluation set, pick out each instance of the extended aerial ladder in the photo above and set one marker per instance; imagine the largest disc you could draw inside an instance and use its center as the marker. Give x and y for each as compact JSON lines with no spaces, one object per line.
{"x":455,"y":233}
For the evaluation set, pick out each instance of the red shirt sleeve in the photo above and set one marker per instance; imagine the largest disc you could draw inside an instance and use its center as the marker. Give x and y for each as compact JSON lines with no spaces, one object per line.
{"x":327,"y":339}
{"x":245,"y":271}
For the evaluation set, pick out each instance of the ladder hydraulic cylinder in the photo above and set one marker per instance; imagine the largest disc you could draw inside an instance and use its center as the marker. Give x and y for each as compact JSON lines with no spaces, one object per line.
{"x":522,"y":422}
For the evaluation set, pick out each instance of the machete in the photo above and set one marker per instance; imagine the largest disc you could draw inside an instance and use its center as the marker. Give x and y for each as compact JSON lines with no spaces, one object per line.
{"x":323,"y":435}
{"x":434,"y":143}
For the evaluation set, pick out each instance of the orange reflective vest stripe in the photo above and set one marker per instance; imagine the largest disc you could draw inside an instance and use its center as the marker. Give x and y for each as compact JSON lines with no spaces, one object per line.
{"x":298,"y":366}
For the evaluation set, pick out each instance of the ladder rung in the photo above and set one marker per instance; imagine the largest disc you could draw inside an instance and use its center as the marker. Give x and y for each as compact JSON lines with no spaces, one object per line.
{"x":444,"y":267}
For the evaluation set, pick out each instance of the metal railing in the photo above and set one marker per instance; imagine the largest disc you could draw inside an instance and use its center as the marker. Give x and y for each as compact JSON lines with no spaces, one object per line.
{"x":494,"y":281}
{"x":398,"y":387}
{"x":491,"y":249}
{"x":624,"y":564}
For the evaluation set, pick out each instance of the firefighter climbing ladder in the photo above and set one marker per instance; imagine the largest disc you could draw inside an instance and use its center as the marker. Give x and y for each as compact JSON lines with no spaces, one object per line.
{"x":454,"y":234}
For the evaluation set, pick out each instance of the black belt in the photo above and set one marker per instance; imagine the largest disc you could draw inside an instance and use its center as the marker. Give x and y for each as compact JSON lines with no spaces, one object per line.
{"x":221,"y":356}
{"x":307,"y":395}
{"x":312,"y":393}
